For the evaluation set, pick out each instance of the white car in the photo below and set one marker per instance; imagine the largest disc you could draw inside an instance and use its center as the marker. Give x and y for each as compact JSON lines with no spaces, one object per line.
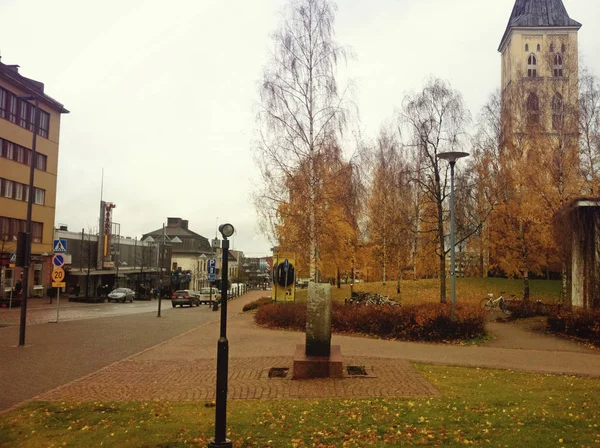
{"x":121,"y":295}
{"x":205,"y":295}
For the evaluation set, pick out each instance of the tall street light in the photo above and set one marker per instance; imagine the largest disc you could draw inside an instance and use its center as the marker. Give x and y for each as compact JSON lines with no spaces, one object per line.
{"x":452,"y":157}
{"x":161,"y":245}
{"x":30,"y":197}
{"x":220,"y":440}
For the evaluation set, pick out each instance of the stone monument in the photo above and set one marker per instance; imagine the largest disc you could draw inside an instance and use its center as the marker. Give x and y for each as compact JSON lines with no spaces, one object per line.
{"x":318,"y":358}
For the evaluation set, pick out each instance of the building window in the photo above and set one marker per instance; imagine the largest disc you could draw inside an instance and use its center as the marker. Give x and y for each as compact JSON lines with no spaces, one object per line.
{"x":9,"y":150}
{"x":563,"y":48}
{"x":37,"y":275}
{"x":539,"y":48}
{"x":41,"y":161}
{"x":7,"y":189}
{"x":4,"y":229}
{"x":551,"y":48}
{"x":532,"y":66}
{"x":526,"y":47}
{"x":31,"y":118}
{"x":40,"y":196}
{"x":12,"y":108}
{"x":24,"y":115}
{"x":2,"y":103}
{"x":557,"y":112}
{"x":558,"y":66}
{"x":533,"y":109}
{"x":19,"y":192}
{"x":37,"y":230}
{"x":44,"y":124}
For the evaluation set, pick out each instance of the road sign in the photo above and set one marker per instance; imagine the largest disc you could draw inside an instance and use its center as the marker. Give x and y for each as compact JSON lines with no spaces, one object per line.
{"x":58,"y":275}
{"x":212,"y":270}
{"x":211,"y":277}
{"x":13,"y":260}
{"x":58,"y":260}
{"x":60,"y":246}
{"x":212,"y":263}
{"x":59,"y":284}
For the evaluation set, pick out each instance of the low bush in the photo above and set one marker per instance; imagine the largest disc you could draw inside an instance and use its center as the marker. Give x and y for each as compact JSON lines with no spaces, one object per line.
{"x":282,"y":315}
{"x":584,"y":324}
{"x":255,"y":304}
{"x":427,"y":322}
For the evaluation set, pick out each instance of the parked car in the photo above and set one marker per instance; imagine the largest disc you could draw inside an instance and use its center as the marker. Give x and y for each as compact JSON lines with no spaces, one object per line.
{"x":121,"y":295}
{"x":185,"y":297}
{"x":205,"y":295}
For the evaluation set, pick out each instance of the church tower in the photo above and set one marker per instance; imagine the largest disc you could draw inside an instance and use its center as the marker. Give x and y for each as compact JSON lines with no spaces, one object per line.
{"x":539,"y":68}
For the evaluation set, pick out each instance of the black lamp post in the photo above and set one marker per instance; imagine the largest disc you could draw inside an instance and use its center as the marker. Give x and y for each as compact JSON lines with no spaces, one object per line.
{"x":220,"y":440}
{"x":452,"y":157}
{"x":30,"y":197}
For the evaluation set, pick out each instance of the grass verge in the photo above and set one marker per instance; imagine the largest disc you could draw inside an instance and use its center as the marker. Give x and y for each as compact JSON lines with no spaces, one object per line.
{"x":478,"y":407}
{"x":468,"y":290}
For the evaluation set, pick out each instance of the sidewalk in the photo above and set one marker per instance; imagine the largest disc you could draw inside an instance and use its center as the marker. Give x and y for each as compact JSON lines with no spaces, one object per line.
{"x":183,"y":368}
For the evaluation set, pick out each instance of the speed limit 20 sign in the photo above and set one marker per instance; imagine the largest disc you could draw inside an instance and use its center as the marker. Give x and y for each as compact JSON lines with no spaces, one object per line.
{"x":58,"y":277}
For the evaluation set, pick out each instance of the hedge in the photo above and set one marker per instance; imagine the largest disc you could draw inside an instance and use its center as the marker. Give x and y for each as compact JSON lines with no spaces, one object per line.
{"x":584,"y":324}
{"x":425,"y":322}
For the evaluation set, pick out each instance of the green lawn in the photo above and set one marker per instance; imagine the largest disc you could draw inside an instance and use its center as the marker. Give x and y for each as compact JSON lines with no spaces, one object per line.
{"x":478,"y":407}
{"x":467,"y":289}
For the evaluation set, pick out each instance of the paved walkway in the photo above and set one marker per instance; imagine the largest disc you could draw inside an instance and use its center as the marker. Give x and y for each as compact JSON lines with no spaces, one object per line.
{"x":183,"y":368}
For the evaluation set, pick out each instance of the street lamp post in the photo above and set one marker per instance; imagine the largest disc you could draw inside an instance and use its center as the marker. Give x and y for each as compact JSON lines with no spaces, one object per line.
{"x":30,"y":197}
{"x":220,"y":440}
{"x":161,"y":246}
{"x":452,"y":157}
{"x":203,"y":258}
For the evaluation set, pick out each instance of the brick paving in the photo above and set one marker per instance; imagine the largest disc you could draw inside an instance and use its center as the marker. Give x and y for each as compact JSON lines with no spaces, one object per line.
{"x":248,"y":379}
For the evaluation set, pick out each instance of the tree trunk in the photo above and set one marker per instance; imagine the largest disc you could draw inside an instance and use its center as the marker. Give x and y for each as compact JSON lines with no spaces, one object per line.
{"x":399,"y":276}
{"x":384,"y":259}
{"x":442,"y":272}
{"x":526,"y":285}
{"x":338,"y":278}
{"x":563,"y":282}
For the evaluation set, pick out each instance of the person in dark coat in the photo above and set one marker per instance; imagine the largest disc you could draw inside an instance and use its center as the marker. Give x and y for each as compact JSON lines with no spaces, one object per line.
{"x":18,"y":288}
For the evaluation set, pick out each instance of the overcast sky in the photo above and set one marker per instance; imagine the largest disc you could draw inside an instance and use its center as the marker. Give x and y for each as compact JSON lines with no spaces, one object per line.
{"x":163,"y":94}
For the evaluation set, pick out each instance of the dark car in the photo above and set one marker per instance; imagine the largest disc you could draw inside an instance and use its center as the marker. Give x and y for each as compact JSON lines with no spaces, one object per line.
{"x":121,"y":295}
{"x":185,"y":297}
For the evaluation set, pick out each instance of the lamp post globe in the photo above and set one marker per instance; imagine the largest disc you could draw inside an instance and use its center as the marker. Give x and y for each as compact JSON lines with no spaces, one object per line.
{"x":226,"y":230}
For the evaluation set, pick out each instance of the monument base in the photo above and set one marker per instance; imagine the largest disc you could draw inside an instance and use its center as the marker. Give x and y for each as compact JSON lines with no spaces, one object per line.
{"x":306,"y":367}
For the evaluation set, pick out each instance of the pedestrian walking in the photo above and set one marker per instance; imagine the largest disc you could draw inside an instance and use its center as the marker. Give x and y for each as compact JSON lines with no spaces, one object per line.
{"x":18,"y":288}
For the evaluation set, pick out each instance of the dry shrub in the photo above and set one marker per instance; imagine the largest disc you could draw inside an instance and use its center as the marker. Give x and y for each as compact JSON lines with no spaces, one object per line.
{"x":282,"y":315}
{"x":584,"y":324}
{"x":255,"y":304}
{"x":426,"y":322}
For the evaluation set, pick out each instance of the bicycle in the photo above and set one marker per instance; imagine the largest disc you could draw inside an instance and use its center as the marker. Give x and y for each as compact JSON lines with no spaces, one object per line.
{"x":490,"y":303}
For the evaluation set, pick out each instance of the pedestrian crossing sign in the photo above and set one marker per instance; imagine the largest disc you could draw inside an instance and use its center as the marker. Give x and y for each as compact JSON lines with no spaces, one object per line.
{"x":60,"y":246}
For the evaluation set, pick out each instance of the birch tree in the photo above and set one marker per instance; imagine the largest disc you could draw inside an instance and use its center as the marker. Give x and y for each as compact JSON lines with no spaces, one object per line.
{"x":301,"y":111}
{"x":435,"y":119}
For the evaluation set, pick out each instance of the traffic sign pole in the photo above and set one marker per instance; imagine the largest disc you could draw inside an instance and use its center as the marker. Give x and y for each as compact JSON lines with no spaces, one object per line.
{"x":12,"y":287}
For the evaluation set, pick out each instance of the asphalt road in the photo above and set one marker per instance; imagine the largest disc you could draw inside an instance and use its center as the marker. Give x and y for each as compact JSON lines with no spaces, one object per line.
{"x":57,"y":353}
{"x":45,"y":312}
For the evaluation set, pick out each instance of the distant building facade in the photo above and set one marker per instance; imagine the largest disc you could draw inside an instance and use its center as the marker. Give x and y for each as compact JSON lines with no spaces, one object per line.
{"x":17,"y":121}
{"x":191,"y":255}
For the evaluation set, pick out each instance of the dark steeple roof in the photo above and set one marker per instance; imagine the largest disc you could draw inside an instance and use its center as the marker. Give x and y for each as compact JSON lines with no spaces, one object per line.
{"x":538,"y":13}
